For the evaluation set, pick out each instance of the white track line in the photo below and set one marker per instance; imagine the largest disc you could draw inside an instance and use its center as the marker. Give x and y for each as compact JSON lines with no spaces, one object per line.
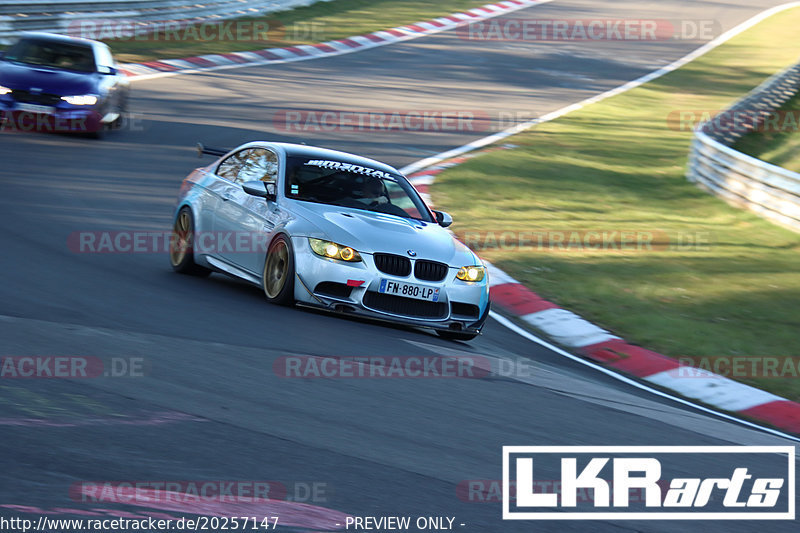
{"x":491,"y":139}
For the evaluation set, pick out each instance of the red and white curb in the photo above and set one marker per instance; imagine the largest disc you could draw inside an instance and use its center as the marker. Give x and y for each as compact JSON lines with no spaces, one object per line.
{"x":167,"y":67}
{"x":570,"y":330}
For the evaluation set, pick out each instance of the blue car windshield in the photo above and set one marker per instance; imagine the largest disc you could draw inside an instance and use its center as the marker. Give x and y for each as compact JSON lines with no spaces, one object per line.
{"x":348,"y":185}
{"x":52,"y":54}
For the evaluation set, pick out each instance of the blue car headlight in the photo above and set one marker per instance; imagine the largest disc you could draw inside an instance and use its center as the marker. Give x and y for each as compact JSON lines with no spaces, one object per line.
{"x":4,"y":90}
{"x":83,"y":99}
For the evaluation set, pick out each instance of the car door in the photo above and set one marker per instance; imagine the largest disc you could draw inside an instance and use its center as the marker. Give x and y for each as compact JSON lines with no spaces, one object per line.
{"x":243,"y":222}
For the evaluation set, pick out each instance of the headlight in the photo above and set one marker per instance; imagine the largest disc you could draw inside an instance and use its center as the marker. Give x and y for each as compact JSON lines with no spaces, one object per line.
{"x":471,"y":273}
{"x":4,"y":90}
{"x":334,"y":251}
{"x":84,"y":99}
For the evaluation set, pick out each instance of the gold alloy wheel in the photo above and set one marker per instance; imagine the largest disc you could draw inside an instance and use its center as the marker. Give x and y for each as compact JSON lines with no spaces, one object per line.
{"x":276,"y":269}
{"x":180,"y":239}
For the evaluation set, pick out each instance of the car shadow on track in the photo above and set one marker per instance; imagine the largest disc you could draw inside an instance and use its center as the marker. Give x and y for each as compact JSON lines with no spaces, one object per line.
{"x":246,"y":290}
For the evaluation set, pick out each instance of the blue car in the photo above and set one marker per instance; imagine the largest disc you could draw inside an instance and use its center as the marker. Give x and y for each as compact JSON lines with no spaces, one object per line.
{"x":61,"y":84}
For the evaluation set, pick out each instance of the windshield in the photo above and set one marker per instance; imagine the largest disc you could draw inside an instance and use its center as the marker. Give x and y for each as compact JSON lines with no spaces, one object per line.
{"x":345,"y":184}
{"x":66,"y":56}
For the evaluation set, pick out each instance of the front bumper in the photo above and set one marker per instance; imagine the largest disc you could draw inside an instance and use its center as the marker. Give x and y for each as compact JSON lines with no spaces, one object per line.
{"x":323,"y":283}
{"x":59,"y":121}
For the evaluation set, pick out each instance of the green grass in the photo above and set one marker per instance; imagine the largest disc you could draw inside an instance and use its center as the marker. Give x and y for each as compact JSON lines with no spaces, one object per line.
{"x":619,"y":165}
{"x":779,"y":146}
{"x":322,"y":21}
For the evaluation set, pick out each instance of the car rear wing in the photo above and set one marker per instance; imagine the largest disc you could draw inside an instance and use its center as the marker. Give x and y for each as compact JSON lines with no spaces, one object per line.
{"x":208,"y":150}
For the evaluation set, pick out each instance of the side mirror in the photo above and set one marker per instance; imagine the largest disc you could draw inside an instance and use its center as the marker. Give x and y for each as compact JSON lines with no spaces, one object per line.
{"x":262,"y":189}
{"x":443,"y":219}
{"x":110,"y":71}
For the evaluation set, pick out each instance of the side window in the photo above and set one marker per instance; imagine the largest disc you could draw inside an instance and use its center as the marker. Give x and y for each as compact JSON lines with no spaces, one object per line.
{"x":250,"y":164}
{"x":400,"y":198}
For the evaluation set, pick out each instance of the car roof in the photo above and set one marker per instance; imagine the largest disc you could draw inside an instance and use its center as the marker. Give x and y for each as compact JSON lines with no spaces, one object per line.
{"x":58,"y":38}
{"x":302,"y":150}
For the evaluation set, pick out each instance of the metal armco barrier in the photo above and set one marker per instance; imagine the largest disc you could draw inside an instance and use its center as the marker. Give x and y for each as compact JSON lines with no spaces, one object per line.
{"x":52,"y":16}
{"x":742,"y":180}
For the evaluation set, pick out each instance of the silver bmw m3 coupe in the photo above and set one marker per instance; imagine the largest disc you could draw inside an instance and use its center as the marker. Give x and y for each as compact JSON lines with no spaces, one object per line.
{"x":332,"y":230}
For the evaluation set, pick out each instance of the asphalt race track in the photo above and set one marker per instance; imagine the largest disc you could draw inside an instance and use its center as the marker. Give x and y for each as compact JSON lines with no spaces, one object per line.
{"x":210,"y":406}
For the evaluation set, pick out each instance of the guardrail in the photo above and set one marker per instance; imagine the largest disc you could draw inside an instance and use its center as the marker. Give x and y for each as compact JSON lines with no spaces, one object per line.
{"x":54,"y":16}
{"x":742,"y":180}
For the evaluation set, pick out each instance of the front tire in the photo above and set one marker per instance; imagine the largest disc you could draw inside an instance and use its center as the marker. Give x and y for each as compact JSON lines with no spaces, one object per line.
{"x":122,"y":109}
{"x":181,"y":251}
{"x":98,"y":134}
{"x":277,"y":279}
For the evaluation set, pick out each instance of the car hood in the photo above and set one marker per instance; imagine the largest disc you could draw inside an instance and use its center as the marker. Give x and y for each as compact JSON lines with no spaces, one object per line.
{"x":371,"y":232}
{"x":52,"y":81}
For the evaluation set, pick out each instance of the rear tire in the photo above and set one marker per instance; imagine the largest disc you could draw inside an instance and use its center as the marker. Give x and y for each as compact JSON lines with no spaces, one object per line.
{"x":277,"y":278}
{"x":181,"y":251}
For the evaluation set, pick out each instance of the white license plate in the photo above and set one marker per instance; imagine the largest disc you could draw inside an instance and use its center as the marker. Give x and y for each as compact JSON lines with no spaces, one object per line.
{"x":409,"y":290}
{"x":34,"y":108}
